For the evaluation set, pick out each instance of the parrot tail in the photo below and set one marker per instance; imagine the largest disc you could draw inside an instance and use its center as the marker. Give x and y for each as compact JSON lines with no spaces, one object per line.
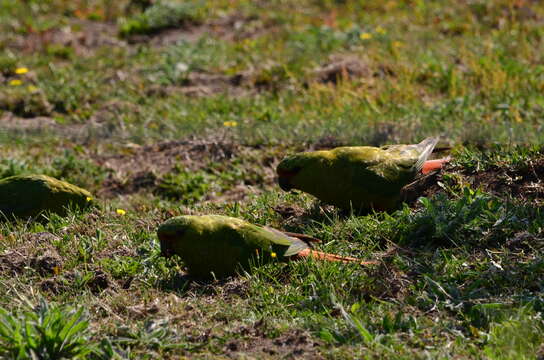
{"x":431,"y":165}
{"x":426,"y":148}
{"x":309,"y":253}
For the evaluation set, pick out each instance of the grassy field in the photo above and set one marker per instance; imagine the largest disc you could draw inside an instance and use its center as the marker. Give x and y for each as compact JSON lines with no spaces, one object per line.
{"x":170,"y":107}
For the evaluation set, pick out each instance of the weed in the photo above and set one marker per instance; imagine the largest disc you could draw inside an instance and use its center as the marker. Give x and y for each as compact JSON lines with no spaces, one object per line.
{"x":162,"y":15}
{"x":44,"y":331}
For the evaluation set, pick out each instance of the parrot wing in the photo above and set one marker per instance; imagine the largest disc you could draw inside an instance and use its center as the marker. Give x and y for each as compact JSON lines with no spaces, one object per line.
{"x":412,"y":156}
{"x":295,"y":245}
{"x":425,"y":149}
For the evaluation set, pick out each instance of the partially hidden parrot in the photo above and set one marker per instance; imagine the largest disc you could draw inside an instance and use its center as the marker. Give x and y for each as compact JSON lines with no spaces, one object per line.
{"x":215,"y":245}
{"x":24,"y":196}
{"x":358,"y":177}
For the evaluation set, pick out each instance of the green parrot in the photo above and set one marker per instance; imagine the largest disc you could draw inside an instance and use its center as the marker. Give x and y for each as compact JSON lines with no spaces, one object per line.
{"x":26,"y":196}
{"x":221,"y":245}
{"x":358,"y":177}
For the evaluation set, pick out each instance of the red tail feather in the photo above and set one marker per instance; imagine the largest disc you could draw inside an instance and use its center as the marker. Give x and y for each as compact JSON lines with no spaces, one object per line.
{"x":431,"y":165}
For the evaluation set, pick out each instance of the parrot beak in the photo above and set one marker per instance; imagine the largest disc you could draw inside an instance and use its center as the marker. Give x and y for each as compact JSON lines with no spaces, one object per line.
{"x":166,"y":250}
{"x":285,"y":177}
{"x":284,"y":183}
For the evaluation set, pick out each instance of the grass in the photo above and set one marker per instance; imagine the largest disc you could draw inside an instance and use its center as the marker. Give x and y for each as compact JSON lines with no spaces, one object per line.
{"x":190,"y":113}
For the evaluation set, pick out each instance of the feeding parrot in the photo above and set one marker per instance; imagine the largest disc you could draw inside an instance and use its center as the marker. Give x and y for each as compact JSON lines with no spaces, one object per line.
{"x":358,"y":177}
{"x":222,"y":245}
{"x":25,"y":196}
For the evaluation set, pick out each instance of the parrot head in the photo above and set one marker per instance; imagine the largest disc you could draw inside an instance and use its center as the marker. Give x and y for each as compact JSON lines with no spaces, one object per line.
{"x":295,"y":170}
{"x":169,"y":233}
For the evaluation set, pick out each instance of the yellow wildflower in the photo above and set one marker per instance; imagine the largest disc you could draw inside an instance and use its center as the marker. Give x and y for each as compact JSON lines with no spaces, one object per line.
{"x":32,"y":88}
{"x":380,"y":30}
{"x":517,"y":116}
{"x":273,"y":254}
{"x":120,"y":212}
{"x":21,"y":70}
{"x":365,"y":36}
{"x":15,"y":82}
{"x":230,"y":123}
{"x":89,"y":198}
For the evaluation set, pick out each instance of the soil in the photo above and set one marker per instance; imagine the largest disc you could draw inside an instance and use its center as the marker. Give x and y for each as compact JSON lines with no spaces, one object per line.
{"x":83,"y":36}
{"x":233,"y":27}
{"x":63,"y":281}
{"x":140,"y":167}
{"x":36,"y":252}
{"x":254,"y":344}
{"x":341,"y":67}
{"x":47,"y":264}
{"x":521,"y":183}
{"x":526,"y":182}
{"x":42,"y":125}
{"x":202,"y":83}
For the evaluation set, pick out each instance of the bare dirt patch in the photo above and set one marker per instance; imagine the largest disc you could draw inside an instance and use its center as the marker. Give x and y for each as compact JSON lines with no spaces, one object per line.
{"x":141,"y":167}
{"x":82,"y":36}
{"x":202,"y":83}
{"x":341,"y":67}
{"x":9,"y":122}
{"x":289,"y":211}
{"x":163,"y":156}
{"x":425,"y":186}
{"x":253,"y":342}
{"x":233,"y":27}
{"x":37,"y":252}
{"x":12,"y":125}
{"x":97,"y":282}
{"x":521,"y":183}
{"x":526,"y":182}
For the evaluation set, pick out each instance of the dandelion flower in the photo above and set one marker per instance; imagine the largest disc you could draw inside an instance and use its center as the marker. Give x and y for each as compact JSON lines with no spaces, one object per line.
{"x":273,"y":254}
{"x":120,"y":212}
{"x":230,"y":124}
{"x":21,"y":70}
{"x":365,"y":36}
{"x":15,"y":82}
{"x":89,"y":198}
